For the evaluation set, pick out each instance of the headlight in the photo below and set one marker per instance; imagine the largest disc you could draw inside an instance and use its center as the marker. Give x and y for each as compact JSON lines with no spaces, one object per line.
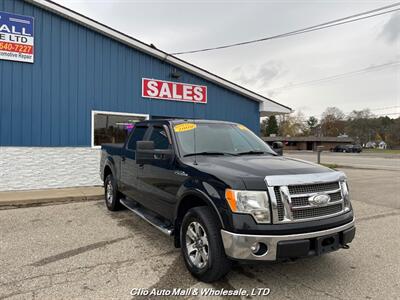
{"x":346,"y":195}
{"x":255,"y":203}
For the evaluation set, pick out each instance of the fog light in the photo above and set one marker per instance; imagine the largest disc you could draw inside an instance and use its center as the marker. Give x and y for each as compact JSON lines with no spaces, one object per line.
{"x":259,"y":249}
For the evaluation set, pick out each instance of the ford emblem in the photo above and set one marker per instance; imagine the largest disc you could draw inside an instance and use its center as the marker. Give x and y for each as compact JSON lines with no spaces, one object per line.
{"x":319,"y":200}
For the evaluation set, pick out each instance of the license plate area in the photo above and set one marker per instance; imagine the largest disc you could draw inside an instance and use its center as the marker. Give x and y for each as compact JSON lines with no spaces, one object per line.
{"x":327,"y":243}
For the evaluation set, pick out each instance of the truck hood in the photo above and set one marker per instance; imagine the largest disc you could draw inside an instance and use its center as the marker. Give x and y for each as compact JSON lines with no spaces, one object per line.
{"x":252,"y":169}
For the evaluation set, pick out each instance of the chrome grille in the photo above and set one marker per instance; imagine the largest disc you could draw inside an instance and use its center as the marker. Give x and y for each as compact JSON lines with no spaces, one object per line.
{"x":316,"y":212}
{"x":292,"y":201}
{"x":281,"y":209}
{"x":313,"y":188}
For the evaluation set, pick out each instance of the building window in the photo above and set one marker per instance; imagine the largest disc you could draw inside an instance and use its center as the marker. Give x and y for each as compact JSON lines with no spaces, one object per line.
{"x":110,"y":127}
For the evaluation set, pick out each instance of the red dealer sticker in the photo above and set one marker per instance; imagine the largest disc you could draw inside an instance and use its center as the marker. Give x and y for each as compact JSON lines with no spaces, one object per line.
{"x":175,"y":91}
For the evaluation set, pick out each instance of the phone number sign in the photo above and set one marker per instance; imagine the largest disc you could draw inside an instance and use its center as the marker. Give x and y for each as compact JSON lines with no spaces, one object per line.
{"x":16,"y":37}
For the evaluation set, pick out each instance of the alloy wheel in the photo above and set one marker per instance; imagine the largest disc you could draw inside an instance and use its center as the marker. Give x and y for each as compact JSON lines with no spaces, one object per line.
{"x":197,"y":245}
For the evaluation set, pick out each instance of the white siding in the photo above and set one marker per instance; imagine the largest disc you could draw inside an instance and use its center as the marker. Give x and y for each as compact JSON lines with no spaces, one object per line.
{"x":26,"y":168}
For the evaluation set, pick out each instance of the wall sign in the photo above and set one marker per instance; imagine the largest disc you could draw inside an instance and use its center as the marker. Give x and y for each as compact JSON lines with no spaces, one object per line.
{"x":176,"y":91}
{"x":16,"y":37}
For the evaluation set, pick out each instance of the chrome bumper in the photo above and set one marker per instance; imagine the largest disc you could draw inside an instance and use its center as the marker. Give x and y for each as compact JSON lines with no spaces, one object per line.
{"x":237,"y":246}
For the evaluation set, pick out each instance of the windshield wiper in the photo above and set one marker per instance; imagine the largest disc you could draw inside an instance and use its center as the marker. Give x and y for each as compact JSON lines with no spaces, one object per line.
{"x":208,"y":153}
{"x":253,"y":152}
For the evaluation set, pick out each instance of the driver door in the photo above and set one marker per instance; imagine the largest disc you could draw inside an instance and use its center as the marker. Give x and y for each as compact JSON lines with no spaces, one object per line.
{"x":157,"y":179}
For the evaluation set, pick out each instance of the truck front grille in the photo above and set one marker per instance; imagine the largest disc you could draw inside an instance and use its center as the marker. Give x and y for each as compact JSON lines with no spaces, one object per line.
{"x":317,"y":212}
{"x":313,"y":188}
{"x":295,"y":206}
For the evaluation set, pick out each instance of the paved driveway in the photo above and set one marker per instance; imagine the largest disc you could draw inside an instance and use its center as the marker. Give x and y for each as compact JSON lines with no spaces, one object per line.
{"x":81,"y":250}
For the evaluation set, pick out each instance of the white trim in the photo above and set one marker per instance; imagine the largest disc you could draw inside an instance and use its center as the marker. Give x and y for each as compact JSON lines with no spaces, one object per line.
{"x":94,"y":112}
{"x":173,"y":99}
{"x":116,"y":35}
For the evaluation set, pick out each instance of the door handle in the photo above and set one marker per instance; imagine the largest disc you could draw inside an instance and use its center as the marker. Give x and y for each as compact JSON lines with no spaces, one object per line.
{"x":141,"y":166}
{"x":123,"y":158}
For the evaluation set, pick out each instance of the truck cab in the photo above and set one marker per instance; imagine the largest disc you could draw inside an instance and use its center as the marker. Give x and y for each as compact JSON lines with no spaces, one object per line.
{"x":225,"y":195}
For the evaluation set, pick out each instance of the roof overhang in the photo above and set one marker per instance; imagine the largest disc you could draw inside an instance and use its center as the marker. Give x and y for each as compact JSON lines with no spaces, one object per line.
{"x":267,"y":106}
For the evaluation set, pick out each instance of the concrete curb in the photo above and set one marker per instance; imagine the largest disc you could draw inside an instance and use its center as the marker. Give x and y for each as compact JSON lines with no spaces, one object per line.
{"x":15,"y":199}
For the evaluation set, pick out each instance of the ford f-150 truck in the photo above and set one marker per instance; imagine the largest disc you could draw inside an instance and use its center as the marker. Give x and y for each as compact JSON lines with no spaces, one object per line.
{"x":225,"y":195}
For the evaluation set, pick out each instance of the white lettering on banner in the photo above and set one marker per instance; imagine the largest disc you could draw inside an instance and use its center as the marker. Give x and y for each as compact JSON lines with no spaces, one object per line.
{"x":177,"y":91}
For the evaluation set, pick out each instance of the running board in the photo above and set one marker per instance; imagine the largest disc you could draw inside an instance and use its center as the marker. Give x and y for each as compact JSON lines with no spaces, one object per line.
{"x":147,"y":216}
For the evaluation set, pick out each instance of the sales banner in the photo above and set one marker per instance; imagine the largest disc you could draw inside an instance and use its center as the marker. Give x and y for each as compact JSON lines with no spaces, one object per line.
{"x":176,"y":91}
{"x":16,"y":37}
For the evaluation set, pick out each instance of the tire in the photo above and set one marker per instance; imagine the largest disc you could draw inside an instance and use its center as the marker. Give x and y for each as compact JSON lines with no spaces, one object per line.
{"x":111,"y":194}
{"x":216,"y":265}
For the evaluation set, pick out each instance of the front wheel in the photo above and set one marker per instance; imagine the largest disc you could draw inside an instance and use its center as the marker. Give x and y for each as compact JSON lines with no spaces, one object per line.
{"x":202,"y":246}
{"x":111,"y":194}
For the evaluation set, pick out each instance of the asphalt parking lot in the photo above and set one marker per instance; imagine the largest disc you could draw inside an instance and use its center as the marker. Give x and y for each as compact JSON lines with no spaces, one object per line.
{"x":80,"y":250}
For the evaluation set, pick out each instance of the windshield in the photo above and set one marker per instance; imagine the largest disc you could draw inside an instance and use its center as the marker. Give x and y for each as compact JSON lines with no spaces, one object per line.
{"x":213,"y":138}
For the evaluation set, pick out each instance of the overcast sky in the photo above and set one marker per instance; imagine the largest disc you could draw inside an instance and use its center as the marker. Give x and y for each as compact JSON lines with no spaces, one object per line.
{"x":270,"y":67}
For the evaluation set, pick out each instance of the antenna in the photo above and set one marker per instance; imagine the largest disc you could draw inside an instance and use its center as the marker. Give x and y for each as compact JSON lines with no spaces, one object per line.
{"x":194,"y":134}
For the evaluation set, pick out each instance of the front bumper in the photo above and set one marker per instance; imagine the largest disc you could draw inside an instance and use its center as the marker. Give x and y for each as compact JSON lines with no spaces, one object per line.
{"x":238,"y":246}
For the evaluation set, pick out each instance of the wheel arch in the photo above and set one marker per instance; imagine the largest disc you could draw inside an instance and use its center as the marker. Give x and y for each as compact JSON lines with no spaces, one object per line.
{"x":188,"y":200}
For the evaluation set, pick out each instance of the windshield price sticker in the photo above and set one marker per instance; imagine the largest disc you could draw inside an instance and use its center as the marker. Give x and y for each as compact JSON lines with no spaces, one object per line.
{"x":16,"y":37}
{"x":242,"y":127}
{"x":184,"y":127}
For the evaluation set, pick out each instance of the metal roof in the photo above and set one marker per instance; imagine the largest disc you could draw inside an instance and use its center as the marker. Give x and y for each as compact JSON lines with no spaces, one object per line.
{"x":267,"y":106}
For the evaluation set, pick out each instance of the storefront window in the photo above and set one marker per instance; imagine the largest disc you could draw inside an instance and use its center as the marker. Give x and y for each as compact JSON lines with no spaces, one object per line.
{"x":113,"y":128}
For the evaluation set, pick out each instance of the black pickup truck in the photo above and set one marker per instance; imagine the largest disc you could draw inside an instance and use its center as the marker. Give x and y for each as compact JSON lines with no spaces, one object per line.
{"x":225,"y":195}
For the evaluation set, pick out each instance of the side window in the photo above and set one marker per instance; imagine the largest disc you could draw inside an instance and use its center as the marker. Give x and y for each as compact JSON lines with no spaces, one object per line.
{"x":137,"y":135}
{"x":160,"y":138}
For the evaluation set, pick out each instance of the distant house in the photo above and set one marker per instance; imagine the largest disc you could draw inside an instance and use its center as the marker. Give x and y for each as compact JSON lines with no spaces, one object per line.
{"x":382,"y":145}
{"x":308,"y":142}
{"x":370,"y":145}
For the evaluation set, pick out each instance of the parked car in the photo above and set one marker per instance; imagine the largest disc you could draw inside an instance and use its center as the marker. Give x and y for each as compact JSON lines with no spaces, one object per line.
{"x":349,"y":148}
{"x":225,"y":196}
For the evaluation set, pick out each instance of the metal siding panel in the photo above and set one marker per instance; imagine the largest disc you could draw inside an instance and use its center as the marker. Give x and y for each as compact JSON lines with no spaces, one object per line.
{"x":76,"y":71}
{"x":37,"y":81}
{"x":73,"y":73}
{"x":64,"y":95}
{"x":55,"y":60}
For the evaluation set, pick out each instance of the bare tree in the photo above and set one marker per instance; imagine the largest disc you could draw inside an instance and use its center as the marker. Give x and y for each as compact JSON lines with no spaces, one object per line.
{"x":333,"y":122}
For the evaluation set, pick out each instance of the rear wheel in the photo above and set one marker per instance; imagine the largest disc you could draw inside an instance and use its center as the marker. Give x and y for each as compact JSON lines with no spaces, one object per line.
{"x":202,"y":246}
{"x":111,"y":193}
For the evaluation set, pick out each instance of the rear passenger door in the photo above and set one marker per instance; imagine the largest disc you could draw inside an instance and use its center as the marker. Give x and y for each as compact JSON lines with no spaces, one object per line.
{"x":129,"y":168}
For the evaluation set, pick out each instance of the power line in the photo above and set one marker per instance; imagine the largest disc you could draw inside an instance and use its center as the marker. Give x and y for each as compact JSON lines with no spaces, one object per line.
{"x":339,"y":76}
{"x":383,"y":108}
{"x":321,"y":26}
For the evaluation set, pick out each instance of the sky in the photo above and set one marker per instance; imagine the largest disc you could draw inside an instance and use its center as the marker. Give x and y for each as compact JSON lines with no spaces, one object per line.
{"x":285,"y":69}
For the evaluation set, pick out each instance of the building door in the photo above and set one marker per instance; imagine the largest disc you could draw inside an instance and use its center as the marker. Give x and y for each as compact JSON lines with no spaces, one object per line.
{"x":310,"y":146}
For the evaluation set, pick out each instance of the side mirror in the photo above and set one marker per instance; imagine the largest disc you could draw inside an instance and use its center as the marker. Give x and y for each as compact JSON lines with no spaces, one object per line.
{"x":146,"y":154}
{"x":144,"y":145}
{"x":278,"y":148}
{"x":277,"y":145}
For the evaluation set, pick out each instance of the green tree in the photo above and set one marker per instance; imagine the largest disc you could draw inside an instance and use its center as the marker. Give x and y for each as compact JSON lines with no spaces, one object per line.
{"x":312,"y":124}
{"x":272,"y":126}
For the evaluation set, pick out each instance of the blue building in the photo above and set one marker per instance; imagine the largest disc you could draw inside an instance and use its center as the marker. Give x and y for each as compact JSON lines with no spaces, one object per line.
{"x":69,"y":84}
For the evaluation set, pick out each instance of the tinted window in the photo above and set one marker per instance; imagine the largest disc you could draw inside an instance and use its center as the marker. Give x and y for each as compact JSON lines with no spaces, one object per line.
{"x":160,"y":138}
{"x":137,"y":135}
{"x":109,"y":128}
